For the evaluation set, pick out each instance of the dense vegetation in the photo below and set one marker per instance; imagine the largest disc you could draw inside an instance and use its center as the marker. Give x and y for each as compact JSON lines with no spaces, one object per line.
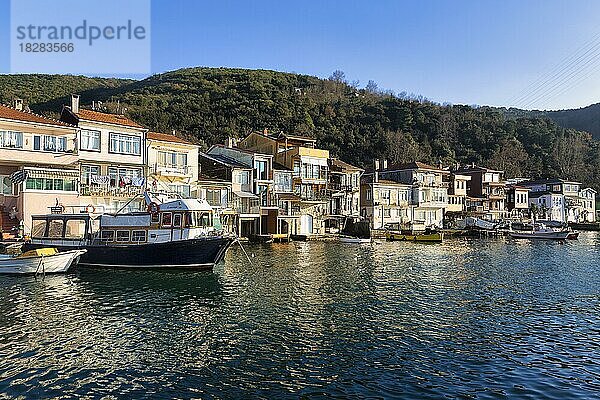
{"x":357,"y":125}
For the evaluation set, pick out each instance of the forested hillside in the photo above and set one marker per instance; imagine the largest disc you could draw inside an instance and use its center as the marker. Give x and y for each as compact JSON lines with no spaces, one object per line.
{"x":357,"y":125}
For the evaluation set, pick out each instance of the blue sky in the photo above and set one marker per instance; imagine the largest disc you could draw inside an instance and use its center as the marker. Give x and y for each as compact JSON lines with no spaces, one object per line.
{"x":462,"y":51}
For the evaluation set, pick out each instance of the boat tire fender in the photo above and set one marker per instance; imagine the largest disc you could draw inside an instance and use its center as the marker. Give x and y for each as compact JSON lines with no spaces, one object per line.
{"x":90,"y":209}
{"x":153,"y":208}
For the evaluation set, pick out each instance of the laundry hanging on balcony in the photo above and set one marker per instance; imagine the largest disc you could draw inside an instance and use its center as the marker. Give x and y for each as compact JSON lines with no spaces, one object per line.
{"x":100,"y":179}
{"x":18,"y":176}
{"x":139,"y":182}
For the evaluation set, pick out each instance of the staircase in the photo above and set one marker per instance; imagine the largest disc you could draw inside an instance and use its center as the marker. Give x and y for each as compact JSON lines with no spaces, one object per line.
{"x":8,"y":225}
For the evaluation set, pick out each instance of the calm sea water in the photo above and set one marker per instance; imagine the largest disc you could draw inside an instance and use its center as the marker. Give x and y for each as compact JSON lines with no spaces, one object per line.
{"x":466,"y":319}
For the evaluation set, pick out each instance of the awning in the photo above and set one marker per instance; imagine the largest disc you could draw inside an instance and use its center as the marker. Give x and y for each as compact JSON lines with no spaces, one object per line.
{"x":288,"y":196}
{"x":247,"y":195}
{"x":51,"y":173}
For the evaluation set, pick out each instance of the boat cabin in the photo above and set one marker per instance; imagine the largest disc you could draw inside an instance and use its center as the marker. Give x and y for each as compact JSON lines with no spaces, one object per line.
{"x":174,"y":220}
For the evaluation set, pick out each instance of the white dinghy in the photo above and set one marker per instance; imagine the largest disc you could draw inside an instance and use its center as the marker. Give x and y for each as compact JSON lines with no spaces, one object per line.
{"x":40,"y":261}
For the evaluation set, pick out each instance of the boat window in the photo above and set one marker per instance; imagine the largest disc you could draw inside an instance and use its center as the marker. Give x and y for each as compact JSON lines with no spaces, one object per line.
{"x":75,"y":229}
{"x":55,"y":229}
{"x":167,"y":219}
{"x":204,"y":220}
{"x":122,"y":236}
{"x":177,"y":220}
{"x":38,"y":230}
{"x":155,"y":218}
{"x":107,"y":236}
{"x":138,"y":236}
{"x":189,"y":219}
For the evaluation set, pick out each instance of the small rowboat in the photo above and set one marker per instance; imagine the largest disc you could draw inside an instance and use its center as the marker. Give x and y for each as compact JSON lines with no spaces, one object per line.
{"x":432,"y":237}
{"x":39,"y":261}
{"x":352,"y":239}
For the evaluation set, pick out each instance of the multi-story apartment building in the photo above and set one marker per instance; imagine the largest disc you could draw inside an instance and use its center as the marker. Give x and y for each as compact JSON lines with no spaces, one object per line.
{"x":486,"y":192}
{"x":112,"y":158}
{"x":562,"y":200}
{"x":310,"y":171}
{"x":588,"y":200}
{"x":385,"y":203}
{"x":517,"y":200}
{"x":344,"y":186}
{"x":38,"y":167}
{"x":457,"y":192}
{"x":172,"y":164}
{"x":242,"y":215}
{"x":428,"y":193}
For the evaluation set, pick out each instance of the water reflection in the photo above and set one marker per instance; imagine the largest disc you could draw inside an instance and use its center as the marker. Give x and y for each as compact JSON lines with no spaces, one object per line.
{"x":467,"y":318}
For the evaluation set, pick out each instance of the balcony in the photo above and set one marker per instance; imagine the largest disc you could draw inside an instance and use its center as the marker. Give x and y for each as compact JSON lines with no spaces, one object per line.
{"x":110,"y":191}
{"x":171,"y":170}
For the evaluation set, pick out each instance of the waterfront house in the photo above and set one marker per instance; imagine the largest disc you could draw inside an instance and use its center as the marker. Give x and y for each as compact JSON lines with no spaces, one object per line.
{"x":310,"y":173}
{"x":457,"y":193}
{"x":218,"y":193}
{"x":262,"y":182}
{"x":172,"y":164}
{"x":384,"y":202}
{"x":242,"y":215}
{"x":112,"y":158}
{"x":344,"y":189}
{"x":486,"y":192}
{"x":563,"y":200}
{"x":588,"y":199}
{"x":517,"y":199}
{"x":428,"y":195}
{"x":287,"y":202}
{"x":38,"y":166}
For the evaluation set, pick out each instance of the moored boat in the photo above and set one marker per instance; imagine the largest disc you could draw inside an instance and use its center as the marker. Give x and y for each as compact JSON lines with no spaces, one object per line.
{"x":540,"y":232}
{"x":427,"y":236}
{"x":39,"y":261}
{"x":174,"y":234}
{"x":353,"y":239}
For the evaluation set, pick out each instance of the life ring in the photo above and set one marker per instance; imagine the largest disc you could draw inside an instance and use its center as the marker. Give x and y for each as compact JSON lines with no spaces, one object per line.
{"x":90,"y":209}
{"x":153,"y":208}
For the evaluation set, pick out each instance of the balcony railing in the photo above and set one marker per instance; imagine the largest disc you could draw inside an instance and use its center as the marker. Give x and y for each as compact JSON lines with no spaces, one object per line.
{"x":171,"y":170}
{"x":112,"y":191}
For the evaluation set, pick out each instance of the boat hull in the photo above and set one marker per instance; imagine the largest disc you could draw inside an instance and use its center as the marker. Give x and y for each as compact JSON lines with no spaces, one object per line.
{"x":201,"y":253}
{"x":345,"y":239}
{"x":427,"y":238}
{"x":54,"y":264}
{"x":539,"y":235}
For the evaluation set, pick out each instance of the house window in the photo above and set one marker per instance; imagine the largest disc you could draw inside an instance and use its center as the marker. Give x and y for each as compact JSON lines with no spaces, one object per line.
{"x":243,"y":177}
{"x":89,"y":140}
{"x":138,"y":236}
{"x":182,"y":190}
{"x":173,"y":160}
{"x":122,"y":236}
{"x":107,"y":236}
{"x":125,"y":144}
{"x":87,"y":171}
{"x":213,"y":197}
{"x":50,"y":143}
{"x":117,"y":175}
{"x":11,"y":139}
{"x":261,"y":170}
{"x":51,"y":184}
{"x":297,"y":167}
{"x":6,"y":186}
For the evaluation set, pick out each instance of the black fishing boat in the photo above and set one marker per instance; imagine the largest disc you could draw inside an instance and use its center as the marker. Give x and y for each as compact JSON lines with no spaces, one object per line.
{"x":175,"y":234}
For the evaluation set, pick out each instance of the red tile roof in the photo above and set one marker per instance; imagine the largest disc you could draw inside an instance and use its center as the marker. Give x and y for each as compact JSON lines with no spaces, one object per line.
{"x":166,"y":137}
{"x":14,"y":114}
{"x":116,"y":119}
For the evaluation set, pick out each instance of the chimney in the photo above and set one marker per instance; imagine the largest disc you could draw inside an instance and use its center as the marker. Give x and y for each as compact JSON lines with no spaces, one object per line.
{"x":473,"y":165}
{"x":376,"y":162}
{"x":385,"y":163}
{"x":75,"y":103}
{"x":229,"y":142}
{"x":266,"y":132}
{"x":440,"y":164}
{"x":18,"y":104}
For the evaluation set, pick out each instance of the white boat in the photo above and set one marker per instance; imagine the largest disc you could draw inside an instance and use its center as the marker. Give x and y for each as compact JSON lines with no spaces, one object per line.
{"x":540,"y":233}
{"x":40,"y":261}
{"x":352,"y":239}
